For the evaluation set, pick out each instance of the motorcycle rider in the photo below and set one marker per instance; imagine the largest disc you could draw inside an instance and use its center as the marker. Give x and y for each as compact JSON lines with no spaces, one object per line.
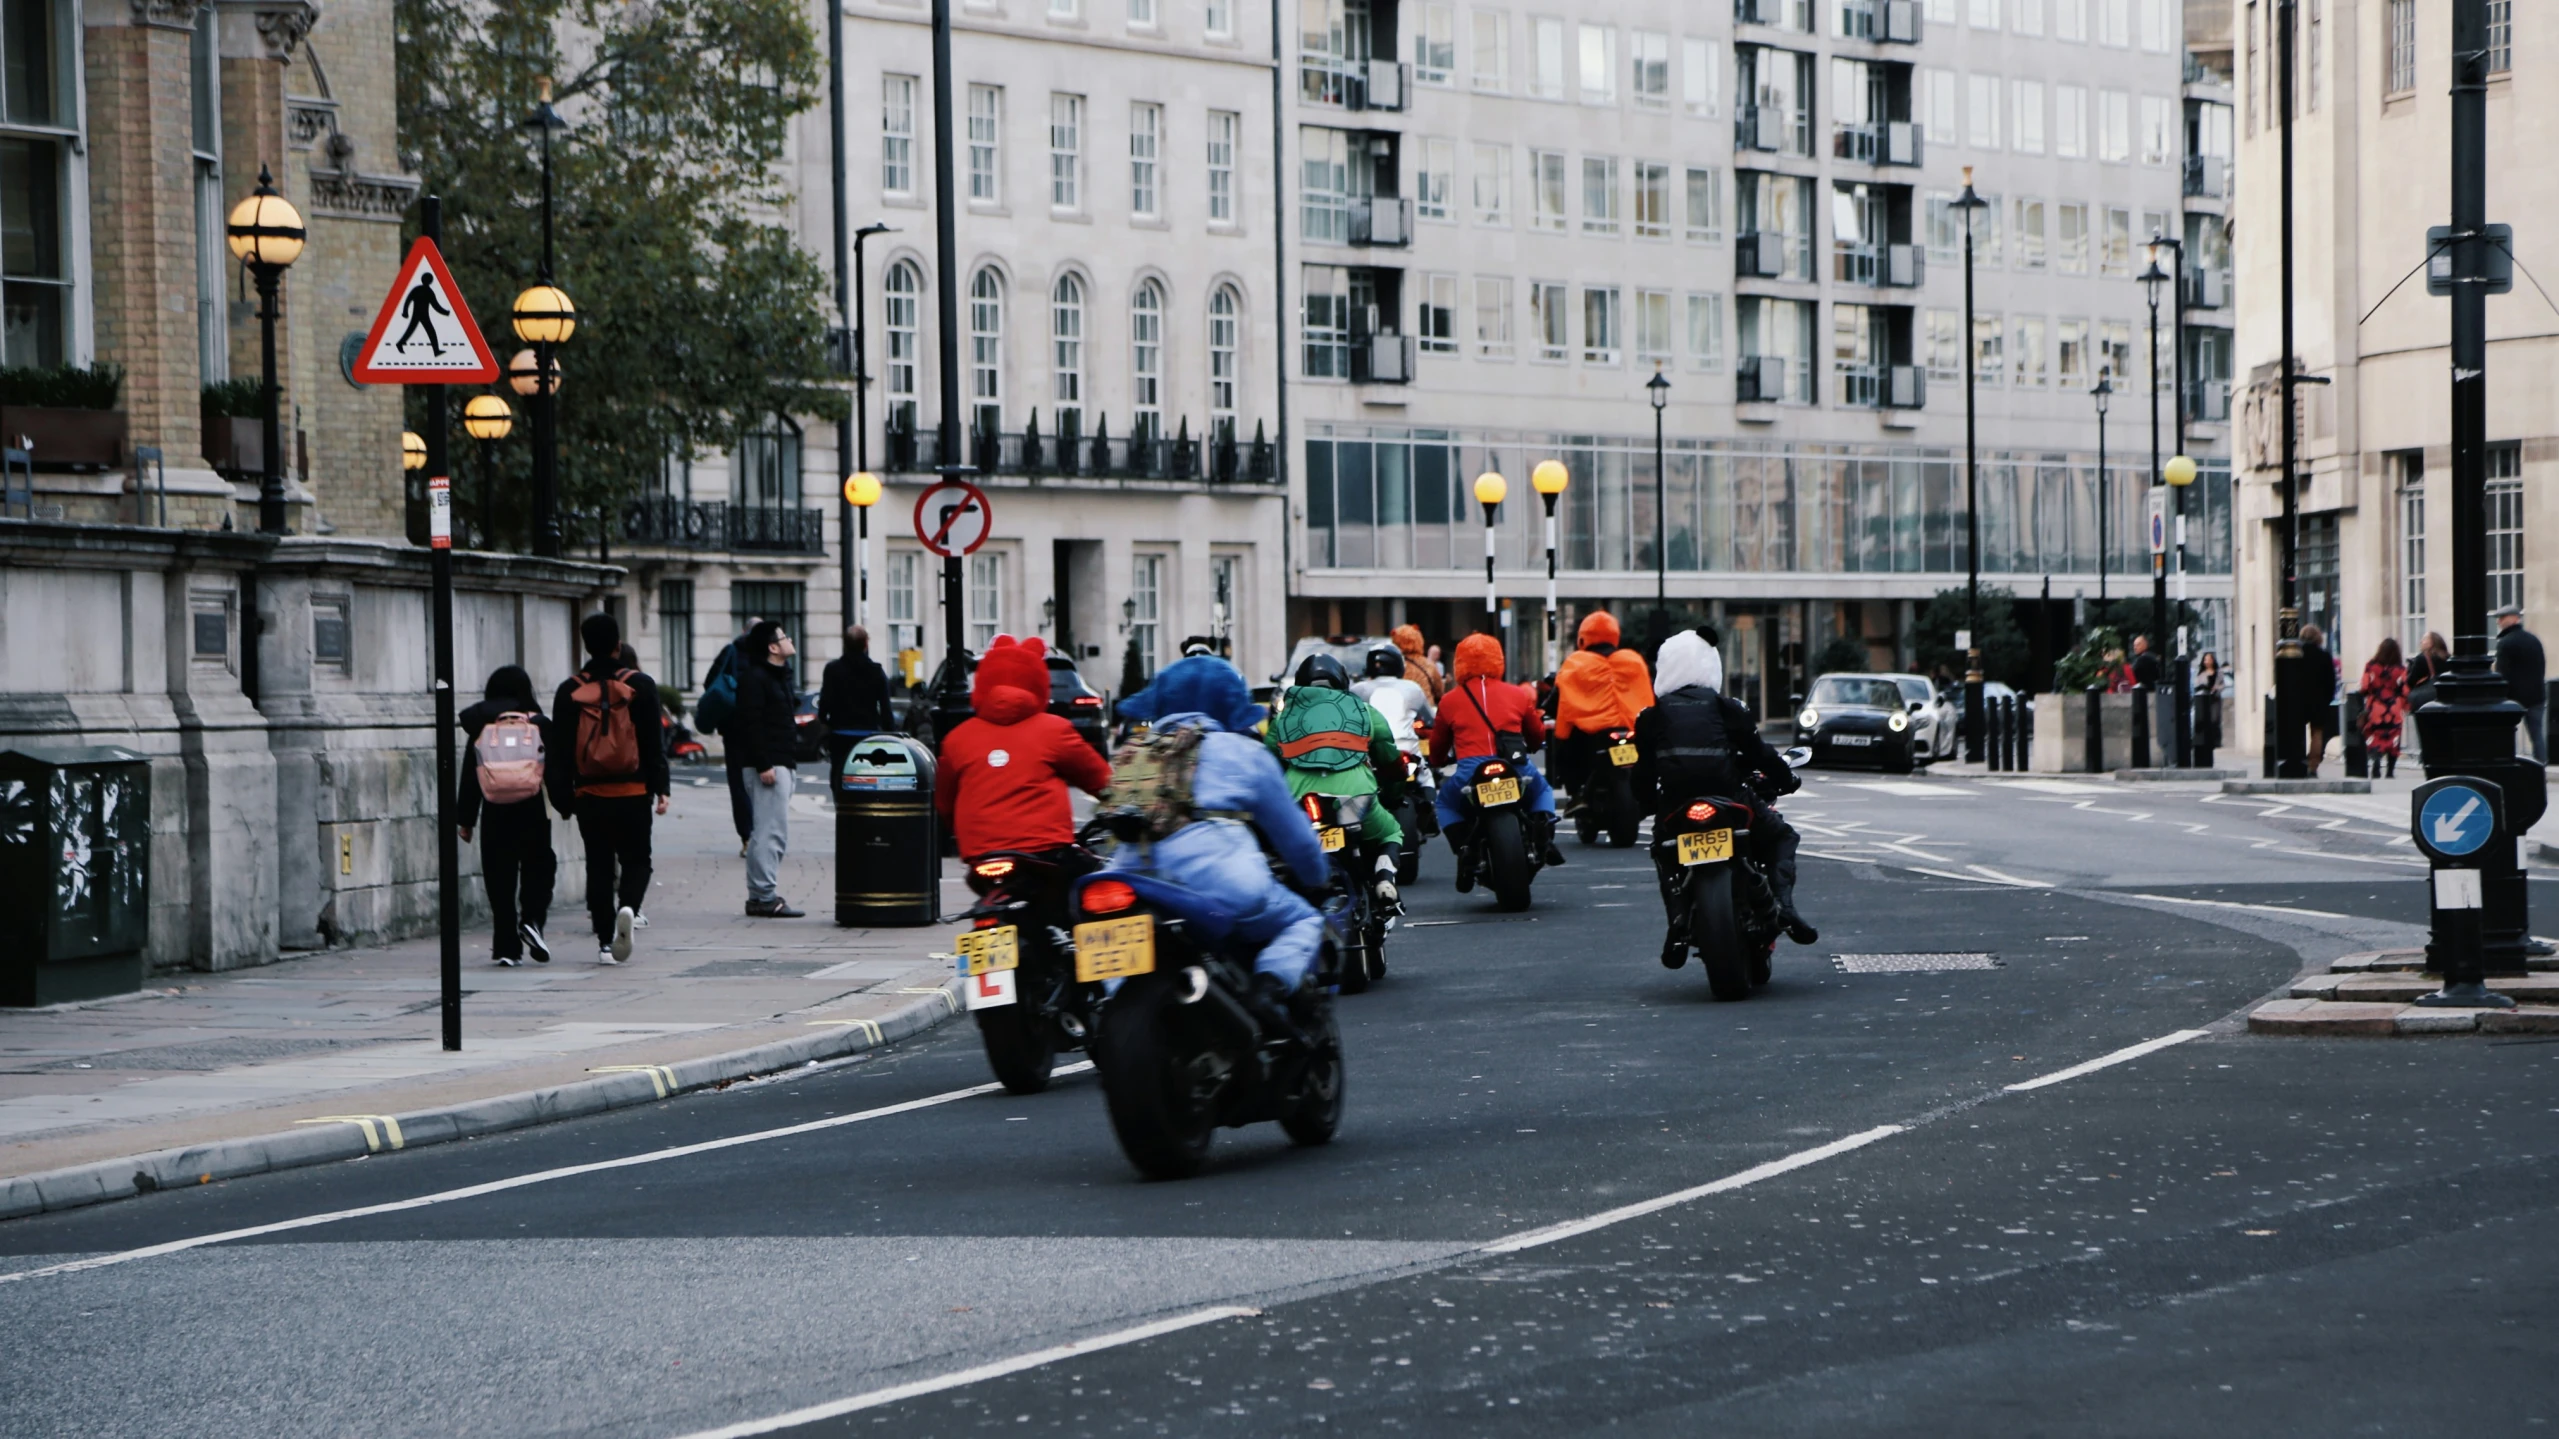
{"x":1477,"y":715}
{"x":1240,"y":809}
{"x":1330,"y":741}
{"x":1599,"y":687}
{"x":1005,"y":769}
{"x":1697,"y":741}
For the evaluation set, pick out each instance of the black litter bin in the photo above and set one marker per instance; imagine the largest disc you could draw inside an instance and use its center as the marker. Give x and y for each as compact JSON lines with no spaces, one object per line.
{"x":888,"y":845}
{"x":75,"y":871}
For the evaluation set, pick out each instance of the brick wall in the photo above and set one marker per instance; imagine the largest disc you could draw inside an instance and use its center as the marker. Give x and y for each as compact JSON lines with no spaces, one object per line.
{"x":142,"y":228}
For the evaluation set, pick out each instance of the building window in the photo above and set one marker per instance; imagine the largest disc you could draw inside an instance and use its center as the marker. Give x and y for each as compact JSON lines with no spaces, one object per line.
{"x":2070,"y":356}
{"x":1779,"y":208}
{"x":2070,"y":122}
{"x":1439,"y":314}
{"x":212,"y":246}
{"x":1706,"y":333}
{"x":2159,"y":19}
{"x":1945,"y":229}
{"x":2114,"y":346}
{"x":1226,"y":597}
{"x":1546,"y":184}
{"x":765,"y":472}
{"x":1547,"y":81}
{"x":1652,"y":201}
{"x":1324,"y":200}
{"x":986,"y":349}
{"x":784,"y":602}
{"x":1219,"y":19}
{"x":2027,"y":357}
{"x":2029,"y":127}
{"x":1223,"y":127}
{"x":2027,"y":17}
{"x":2070,"y":20}
{"x":985,"y":106}
{"x":904,"y":292}
{"x":2114,"y":126}
{"x":2158,"y":130}
{"x":2114,"y":23}
{"x":1328,"y":322}
{"x":1777,"y":341}
{"x":675,"y":632}
{"x":1599,"y":65}
{"x":2114,"y":255}
{"x":1141,"y":14}
{"x":1493,"y":317}
{"x":1145,"y":148}
{"x":1857,"y":342}
{"x":897,"y":134}
{"x":2505,"y":526}
{"x":2409,"y":468}
{"x":1065,"y":151}
{"x":1701,"y":78}
{"x":1648,"y":55}
{"x":1600,"y":201}
{"x":2070,"y":238}
{"x":1981,"y":111}
{"x":1603,"y":325}
{"x":1546,"y":315}
{"x":1489,"y":61}
{"x":1990,"y":351}
{"x":1938,"y":114}
{"x":2501,"y":36}
{"x":1146,"y":356}
{"x":1982,"y":14}
{"x":1492,"y":179}
{"x":1435,"y":44}
{"x":1225,"y":346}
{"x":37,"y":292}
{"x":1066,"y":349}
{"x":1946,"y":347}
{"x":899,"y":584}
{"x":985,"y":598}
{"x":1146,"y":621}
{"x":1333,"y":45}
{"x":1435,"y":178}
{"x":1705,"y":222}
{"x":2030,"y":234}
{"x":2400,"y":61}
{"x":1653,"y":333}
{"x":1065,"y":9}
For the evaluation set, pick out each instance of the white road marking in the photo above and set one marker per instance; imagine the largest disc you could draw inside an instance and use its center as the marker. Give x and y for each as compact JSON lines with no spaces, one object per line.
{"x":520,"y":1181}
{"x":959,"y":1378}
{"x":2234,"y":904}
{"x":1531,"y":1239}
{"x":2134,"y":1051}
{"x":1986,"y":870}
{"x":1971,"y":878}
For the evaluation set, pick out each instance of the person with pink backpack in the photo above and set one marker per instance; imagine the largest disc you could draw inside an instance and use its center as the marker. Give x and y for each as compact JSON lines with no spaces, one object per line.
{"x":502,"y":774}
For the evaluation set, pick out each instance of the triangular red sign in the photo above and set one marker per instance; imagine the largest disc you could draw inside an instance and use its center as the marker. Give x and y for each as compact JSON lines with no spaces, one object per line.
{"x":436,"y":343}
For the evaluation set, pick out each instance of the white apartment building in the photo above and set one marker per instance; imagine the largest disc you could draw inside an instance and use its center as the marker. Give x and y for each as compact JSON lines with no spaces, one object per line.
{"x":1508,"y":217}
{"x":1119,"y":315}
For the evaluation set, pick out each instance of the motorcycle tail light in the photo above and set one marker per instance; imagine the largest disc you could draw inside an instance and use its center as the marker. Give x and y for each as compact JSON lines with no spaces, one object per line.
{"x":1701,"y":811}
{"x":1108,"y":896}
{"x":1314,"y":808}
{"x":993,"y":868}
{"x":986,"y":922}
{"x":1496,"y":768}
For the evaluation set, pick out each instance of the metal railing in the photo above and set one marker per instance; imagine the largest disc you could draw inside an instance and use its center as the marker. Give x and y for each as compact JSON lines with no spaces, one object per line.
{"x":719,"y":525}
{"x":1759,"y":127}
{"x":1382,"y":359}
{"x":1759,"y":255}
{"x":2208,"y":401}
{"x":1759,"y":380}
{"x":2206,"y":289}
{"x":1072,"y":454}
{"x":2207,"y":177}
{"x":1382,"y":220}
{"x":1880,"y":266}
{"x":1878,"y":142}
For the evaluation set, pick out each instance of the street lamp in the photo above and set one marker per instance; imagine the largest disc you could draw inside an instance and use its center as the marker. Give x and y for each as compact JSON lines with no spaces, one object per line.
{"x":488,"y":420}
{"x":2153,"y":280}
{"x":1658,"y":388}
{"x":1971,"y":204}
{"x":413,"y":455}
{"x":2180,"y":473}
{"x":544,"y":318}
{"x":857,"y":429}
{"x":2103,"y":395}
{"x":1490,"y":488}
{"x":1548,"y":479}
{"x":265,"y":232}
{"x":861,"y":491}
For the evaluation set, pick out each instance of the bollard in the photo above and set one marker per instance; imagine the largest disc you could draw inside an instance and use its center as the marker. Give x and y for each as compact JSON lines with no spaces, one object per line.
{"x":2350,"y":713}
{"x":2139,"y":758}
{"x":2096,"y":756}
{"x":2269,"y":748}
{"x":2025,"y":735}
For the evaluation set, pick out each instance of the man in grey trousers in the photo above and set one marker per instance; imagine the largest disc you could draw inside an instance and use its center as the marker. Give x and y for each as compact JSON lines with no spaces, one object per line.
{"x":764,"y":737}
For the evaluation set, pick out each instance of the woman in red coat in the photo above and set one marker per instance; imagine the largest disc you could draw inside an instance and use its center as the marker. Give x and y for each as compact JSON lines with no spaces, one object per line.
{"x":2385,"y":705}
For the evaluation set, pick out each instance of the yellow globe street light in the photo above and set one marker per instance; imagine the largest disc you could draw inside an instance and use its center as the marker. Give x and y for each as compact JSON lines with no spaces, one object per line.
{"x":1490,"y":488}
{"x":488,"y":418}
{"x":264,"y":229}
{"x":265,"y":233}
{"x":2181,"y":471}
{"x":525,"y":374}
{"x":862,"y":490}
{"x":544,"y":316}
{"x":1550,"y":477}
{"x":412,"y":450}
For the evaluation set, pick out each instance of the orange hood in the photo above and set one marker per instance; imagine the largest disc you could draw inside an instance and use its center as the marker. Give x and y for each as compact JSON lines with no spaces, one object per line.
{"x":1599,"y":627}
{"x":1408,"y":638}
{"x":1478,"y":654}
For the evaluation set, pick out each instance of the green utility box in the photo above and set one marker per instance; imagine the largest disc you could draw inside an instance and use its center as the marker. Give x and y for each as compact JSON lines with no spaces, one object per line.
{"x":75,"y":872}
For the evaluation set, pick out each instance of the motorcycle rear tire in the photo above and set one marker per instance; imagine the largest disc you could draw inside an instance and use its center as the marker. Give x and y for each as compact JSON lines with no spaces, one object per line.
{"x":1142,"y":1085}
{"x":1623,"y":817}
{"x":1318,"y":1112}
{"x":1506,"y":860}
{"x":1019,"y":1047}
{"x":1716,"y":933}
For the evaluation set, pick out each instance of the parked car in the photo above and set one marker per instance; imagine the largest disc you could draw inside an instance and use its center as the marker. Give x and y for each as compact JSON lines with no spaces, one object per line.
{"x":1076,"y":701}
{"x":1858,"y":719}
{"x":1933,"y":716}
{"x":808,"y":737}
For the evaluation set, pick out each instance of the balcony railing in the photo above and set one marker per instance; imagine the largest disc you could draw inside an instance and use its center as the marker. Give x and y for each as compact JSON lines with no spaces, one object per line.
{"x":1072,"y":454}
{"x":719,"y":525}
{"x":1759,"y":380}
{"x":1382,"y":359}
{"x":1905,"y":387}
{"x":1353,"y":84}
{"x":1883,"y":387}
{"x":1759,"y":127}
{"x":1879,"y":142}
{"x":1384,"y":86}
{"x":2208,"y":401}
{"x":1760,"y":255}
{"x":2206,"y":289}
{"x":2207,"y":177}
{"x":1382,"y":220}
{"x":1892,"y":266}
{"x":1760,"y":12}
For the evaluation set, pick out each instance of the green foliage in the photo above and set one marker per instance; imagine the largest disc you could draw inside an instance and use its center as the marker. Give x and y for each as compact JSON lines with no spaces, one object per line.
{"x":1132,"y":669}
{"x":238,"y":399}
{"x":62,"y":387}
{"x":697,"y":317}
{"x":1841,"y":656}
{"x":2085,"y":665}
{"x":2004,"y":650}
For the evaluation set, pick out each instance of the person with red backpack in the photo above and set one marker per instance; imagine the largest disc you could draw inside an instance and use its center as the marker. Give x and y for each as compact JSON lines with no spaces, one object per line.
{"x":605,"y":777}
{"x":501,"y":796}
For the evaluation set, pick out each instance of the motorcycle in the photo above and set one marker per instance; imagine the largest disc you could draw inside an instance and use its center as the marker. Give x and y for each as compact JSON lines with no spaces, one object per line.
{"x":1337,"y":821}
{"x":1018,"y":962}
{"x":1733,"y":923}
{"x":1607,"y":798}
{"x":1418,"y":816}
{"x":680,"y":743}
{"x":1185,"y":1045}
{"x":1498,"y":848}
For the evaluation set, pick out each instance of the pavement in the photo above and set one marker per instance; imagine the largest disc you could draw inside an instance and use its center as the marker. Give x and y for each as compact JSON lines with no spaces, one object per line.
{"x":222,"y":1069}
{"x":1998,"y":1155}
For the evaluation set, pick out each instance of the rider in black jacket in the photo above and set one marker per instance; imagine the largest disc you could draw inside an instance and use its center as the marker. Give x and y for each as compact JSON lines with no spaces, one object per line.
{"x":1694,"y":742}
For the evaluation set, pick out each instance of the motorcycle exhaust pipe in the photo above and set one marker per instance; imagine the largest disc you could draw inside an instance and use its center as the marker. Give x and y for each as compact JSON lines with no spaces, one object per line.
{"x":1224,"y":1011}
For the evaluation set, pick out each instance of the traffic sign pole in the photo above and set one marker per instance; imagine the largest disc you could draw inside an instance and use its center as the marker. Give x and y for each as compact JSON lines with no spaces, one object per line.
{"x":448,"y":851}
{"x":952,"y":518}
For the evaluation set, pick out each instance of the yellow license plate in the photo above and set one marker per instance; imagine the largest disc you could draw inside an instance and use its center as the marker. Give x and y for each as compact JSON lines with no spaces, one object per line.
{"x":1621,"y":755}
{"x":1114,"y":948}
{"x":1497,"y":791}
{"x":985,"y":949}
{"x":1332,"y":838}
{"x":1706,"y":846}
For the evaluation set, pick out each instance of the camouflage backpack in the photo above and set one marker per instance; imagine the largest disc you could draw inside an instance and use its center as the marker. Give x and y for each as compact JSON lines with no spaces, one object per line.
{"x":1151,"y":779}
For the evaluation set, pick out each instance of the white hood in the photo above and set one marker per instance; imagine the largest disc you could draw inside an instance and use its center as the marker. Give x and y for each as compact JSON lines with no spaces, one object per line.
{"x":1687,"y":660}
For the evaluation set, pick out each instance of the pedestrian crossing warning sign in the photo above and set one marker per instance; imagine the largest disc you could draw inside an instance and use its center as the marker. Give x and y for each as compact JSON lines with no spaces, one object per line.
{"x":424,"y":334}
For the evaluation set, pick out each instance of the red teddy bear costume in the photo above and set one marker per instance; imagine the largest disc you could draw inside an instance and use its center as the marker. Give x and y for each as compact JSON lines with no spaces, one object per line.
{"x":1004,"y":772}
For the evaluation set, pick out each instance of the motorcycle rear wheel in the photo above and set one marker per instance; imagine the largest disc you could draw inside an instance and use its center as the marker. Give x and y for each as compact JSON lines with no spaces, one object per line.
{"x":1019,"y":1047}
{"x":1318,"y":1112}
{"x":1160,"y":1129}
{"x":1506,"y":860}
{"x":1716,"y":933}
{"x":1623,"y":817}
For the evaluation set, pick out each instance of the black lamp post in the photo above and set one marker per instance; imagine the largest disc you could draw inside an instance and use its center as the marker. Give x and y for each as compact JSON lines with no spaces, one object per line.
{"x":1490,"y":490}
{"x":2103,"y":395}
{"x":1550,"y":480}
{"x":855,"y":512}
{"x":489,"y":420}
{"x":2153,"y":280}
{"x":266,"y":234}
{"x":951,"y":705}
{"x":1971,"y":204}
{"x":1658,"y":388}
{"x":545,"y":319}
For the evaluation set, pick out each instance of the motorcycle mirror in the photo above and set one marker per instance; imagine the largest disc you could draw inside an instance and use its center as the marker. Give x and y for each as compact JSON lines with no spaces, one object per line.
{"x":1797,"y":756}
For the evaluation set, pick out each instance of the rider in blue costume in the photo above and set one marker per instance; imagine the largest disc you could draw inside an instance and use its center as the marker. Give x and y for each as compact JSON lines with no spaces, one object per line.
{"x":1245,"y":804}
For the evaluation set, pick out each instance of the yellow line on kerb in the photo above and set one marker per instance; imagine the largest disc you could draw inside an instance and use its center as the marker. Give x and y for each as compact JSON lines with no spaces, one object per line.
{"x":374,"y":1136}
{"x":659,"y":1074}
{"x":869,"y":1027}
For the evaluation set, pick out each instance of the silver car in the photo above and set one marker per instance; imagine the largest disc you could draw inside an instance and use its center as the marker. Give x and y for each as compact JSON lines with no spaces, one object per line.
{"x":1934,"y":717}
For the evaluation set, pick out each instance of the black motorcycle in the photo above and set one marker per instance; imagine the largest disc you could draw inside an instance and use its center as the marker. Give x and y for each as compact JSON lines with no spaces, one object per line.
{"x":1418,"y":816}
{"x":1337,"y":820}
{"x":1186,"y":1045}
{"x":1499,"y":847}
{"x":1018,"y":961}
{"x":1607,"y":798}
{"x":1717,"y":882}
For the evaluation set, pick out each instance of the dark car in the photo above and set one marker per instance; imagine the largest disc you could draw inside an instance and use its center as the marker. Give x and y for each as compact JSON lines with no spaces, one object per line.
{"x":1077,"y":702}
{"x":1859,"y":720}
{"x":808,"y":737}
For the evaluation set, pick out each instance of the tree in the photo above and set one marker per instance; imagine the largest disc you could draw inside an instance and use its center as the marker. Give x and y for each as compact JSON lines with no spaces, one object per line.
{"x":1132,"y":669}
{"x":1842,"y":655}
{"x":697,"y":318}
{"x":2004,"y":651}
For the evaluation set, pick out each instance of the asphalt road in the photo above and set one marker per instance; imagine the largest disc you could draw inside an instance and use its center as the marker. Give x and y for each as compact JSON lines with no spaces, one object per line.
{"x":2220,"y":1235}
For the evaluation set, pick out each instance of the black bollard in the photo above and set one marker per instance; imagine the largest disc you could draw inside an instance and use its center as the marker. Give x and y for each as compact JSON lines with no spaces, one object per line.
{"x":2140,"y":756}
{"x":2096,"y":756}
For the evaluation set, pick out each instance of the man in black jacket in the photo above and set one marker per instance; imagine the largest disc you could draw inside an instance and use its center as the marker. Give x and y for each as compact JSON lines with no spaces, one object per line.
{"x":853,"y":695}
{"x":612,"y":803}
{"x":763,"y":735}
{"x":2521,"y":665}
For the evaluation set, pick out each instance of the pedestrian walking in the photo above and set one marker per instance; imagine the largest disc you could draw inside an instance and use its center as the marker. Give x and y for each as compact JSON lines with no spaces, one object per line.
{"x":608,"y":779}
{"x":764,"y":737}
{"x":2520,"y":663}
{"x":852,"y":697}
{"x":2385,"y":704}
{"x":2208,"y":685}
{"x":2320,"y":669}
{"x":2145,"y":664}
{"x":2425,"y":668}
{"x":713,"y":713}
{"x":509,"y":740}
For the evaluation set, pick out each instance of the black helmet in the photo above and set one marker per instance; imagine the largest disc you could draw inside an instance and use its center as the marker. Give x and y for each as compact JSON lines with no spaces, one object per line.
{"x":1322,"y":669}
{"x":1385,"y":663}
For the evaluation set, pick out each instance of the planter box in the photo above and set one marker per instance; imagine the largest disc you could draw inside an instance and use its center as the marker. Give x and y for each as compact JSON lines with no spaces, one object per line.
{"x":234,"y":444}
{"x":66,"y":439}
{"x":2061,"y":733}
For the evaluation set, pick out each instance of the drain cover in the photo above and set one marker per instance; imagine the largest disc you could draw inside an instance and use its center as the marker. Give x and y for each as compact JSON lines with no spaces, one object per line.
{"x":1911,"y":963}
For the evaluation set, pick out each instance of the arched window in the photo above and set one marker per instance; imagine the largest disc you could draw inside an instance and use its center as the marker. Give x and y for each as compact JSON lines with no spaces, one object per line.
{"x":1225,"y":319}
{"x":986,"y":349}
{"x":1066,"y":349}
{"x":905,"y":296}
{"x":1146,"y":355}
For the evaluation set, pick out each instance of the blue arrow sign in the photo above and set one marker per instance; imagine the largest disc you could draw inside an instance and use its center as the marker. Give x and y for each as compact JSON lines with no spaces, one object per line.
{"x":2456,"y":820}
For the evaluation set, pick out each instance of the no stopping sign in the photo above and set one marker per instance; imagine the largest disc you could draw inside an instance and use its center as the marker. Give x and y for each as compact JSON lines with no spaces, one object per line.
{"x":953,"y":518}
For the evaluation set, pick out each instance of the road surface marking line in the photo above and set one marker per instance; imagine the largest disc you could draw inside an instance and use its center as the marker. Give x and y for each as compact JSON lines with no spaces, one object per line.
{"x":1984,"y":869}
{"x":962,"y":1378}
{"x":659,"y":1075}
{"x":1952,"y":874}
{"x":373,"y":1137}
{"x":1531,"y":1239}
{"x":2235,"y":904}
{"x":520,"y":1181}
{"x":2104,"y":1061}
